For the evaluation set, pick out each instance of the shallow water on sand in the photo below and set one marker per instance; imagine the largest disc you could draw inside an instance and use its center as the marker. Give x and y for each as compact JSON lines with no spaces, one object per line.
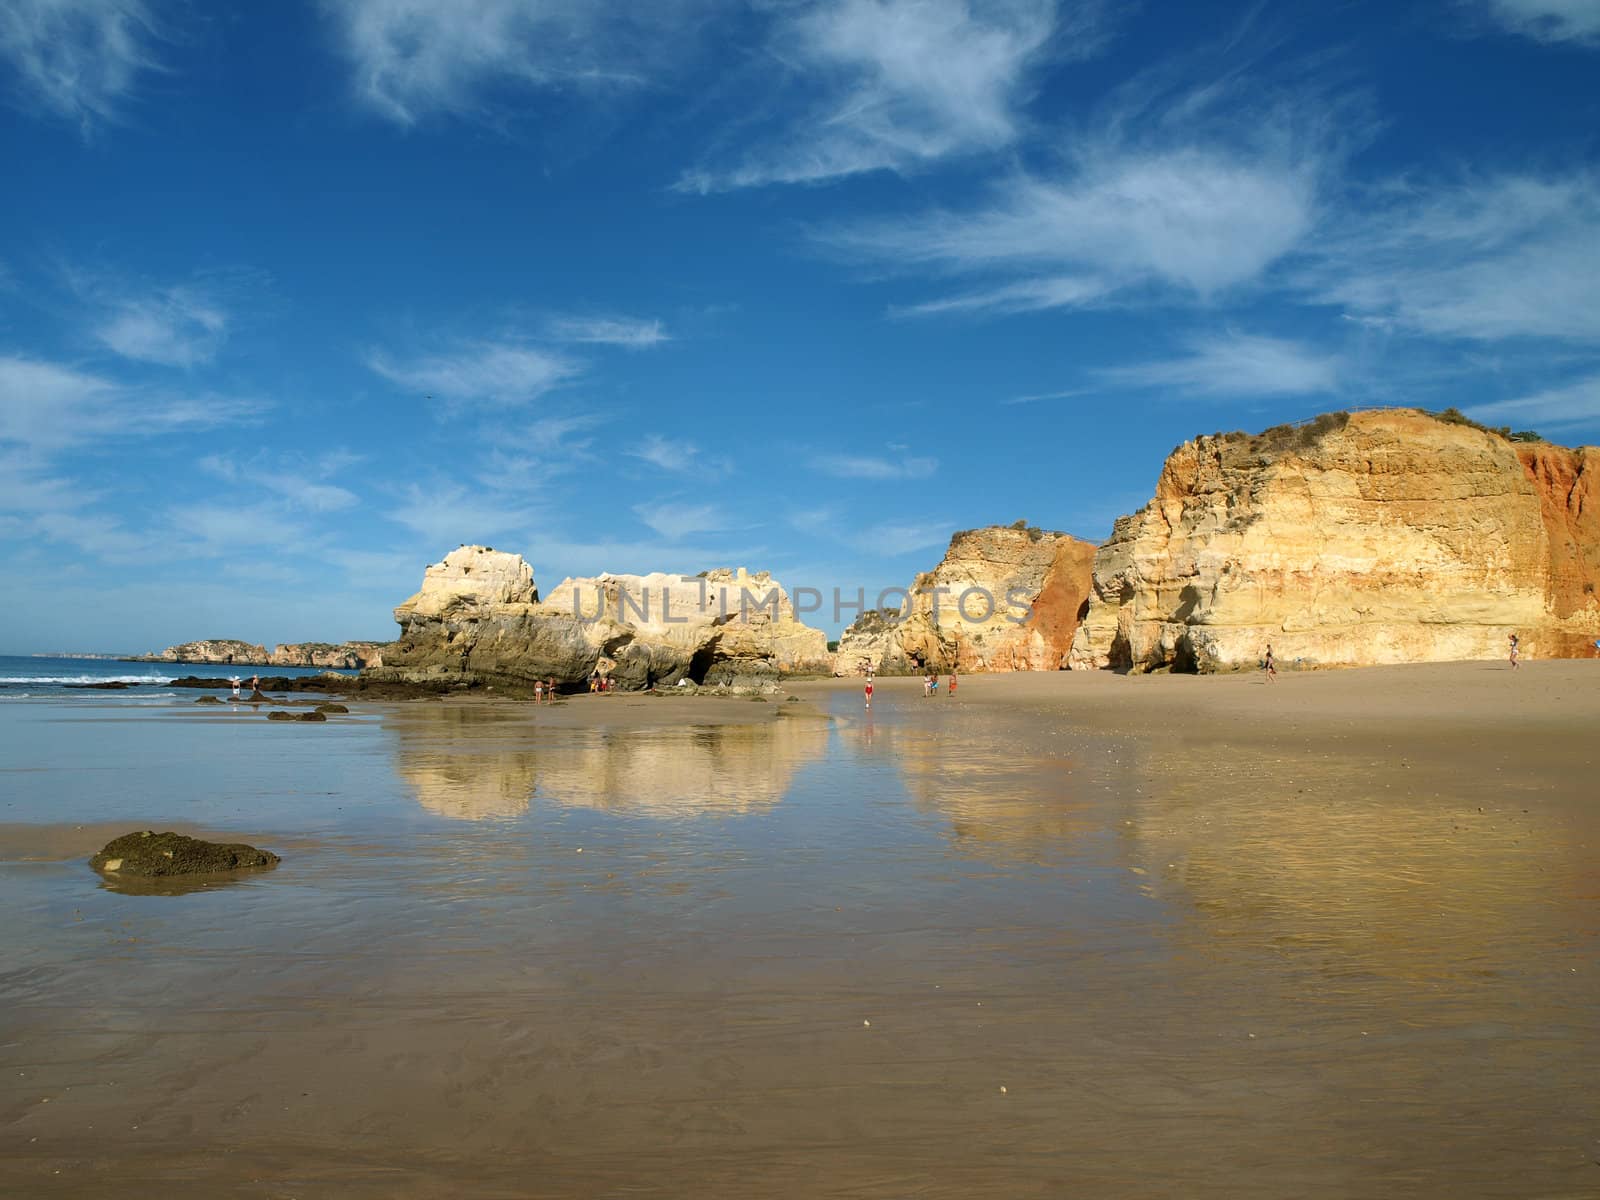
{"x":933,"y":952}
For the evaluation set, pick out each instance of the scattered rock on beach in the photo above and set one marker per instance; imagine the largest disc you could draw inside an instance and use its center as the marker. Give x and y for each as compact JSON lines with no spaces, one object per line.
{"x":207,"y":700}
{"x":331,"y":708}
{"x":280,"y":715}
{"x":159,"y":854}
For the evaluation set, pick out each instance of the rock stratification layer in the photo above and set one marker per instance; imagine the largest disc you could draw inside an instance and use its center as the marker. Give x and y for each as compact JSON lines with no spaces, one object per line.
{"x":479,"y":615}
{"x":1378,"y":537}
{"x":1004,"y":598}
{"x":348,"y":656}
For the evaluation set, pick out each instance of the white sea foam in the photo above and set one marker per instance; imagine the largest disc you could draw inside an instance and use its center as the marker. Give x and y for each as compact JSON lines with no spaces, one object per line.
{"x":58,"y":680}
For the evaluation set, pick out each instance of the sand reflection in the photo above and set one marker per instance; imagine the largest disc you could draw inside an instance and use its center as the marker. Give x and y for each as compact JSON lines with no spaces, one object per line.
{"x":1407,"y":870}
{"x":478,"y":763}
{"x":705,"y":770}
{"x":997,"y":798}
{"x":470,"y":763}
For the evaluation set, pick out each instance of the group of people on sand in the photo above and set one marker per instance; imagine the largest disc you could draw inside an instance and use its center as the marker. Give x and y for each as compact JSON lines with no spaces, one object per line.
{"x":600,"y":683}
{"x":255,"y":684}
{"x":544,"y":690}
{"x":930,"y":684}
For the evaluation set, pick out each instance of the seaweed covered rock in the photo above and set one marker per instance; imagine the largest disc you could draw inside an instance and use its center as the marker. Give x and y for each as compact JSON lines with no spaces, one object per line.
{"x":315,"y":714}
{"x":161,"y":854}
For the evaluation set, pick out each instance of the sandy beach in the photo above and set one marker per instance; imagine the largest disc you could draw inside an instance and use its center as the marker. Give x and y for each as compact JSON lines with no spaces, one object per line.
{"x":1070,"y":933}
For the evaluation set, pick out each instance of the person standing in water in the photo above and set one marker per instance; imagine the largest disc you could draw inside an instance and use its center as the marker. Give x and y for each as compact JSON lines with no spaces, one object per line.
{"x":1270,"y":664}
{"x":1515,"y":645}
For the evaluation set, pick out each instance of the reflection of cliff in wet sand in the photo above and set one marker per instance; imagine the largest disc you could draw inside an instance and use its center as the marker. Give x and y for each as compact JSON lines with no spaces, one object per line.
{"x":1408,"y":869}
{"x":471,"y":762}
{"x":700,"y":770}
{"x":993,"y":794}
{"x":476,"y":762}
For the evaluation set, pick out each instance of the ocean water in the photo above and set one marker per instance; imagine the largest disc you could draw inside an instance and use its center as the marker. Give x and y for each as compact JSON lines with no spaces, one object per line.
{"x":937,"y":950}
{"x":24,"y":677}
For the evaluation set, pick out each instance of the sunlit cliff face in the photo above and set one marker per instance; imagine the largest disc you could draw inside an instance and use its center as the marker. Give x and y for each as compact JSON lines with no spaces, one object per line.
{"x":1391,"y":537}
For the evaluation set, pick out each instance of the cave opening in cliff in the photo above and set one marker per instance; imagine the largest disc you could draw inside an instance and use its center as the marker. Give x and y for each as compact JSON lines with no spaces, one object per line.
{"x":700,"y":662}
{"x":1184,"y":659}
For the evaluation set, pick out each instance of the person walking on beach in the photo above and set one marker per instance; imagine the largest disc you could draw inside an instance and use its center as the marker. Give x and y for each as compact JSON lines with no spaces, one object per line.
{"x":538,"y":691}
{"x":869,"y":689}
{"x":255,"y":683}
{"x":952,"y":692}
{"x":1514,"y":654}
{"x":236,"y":681}
{"x":1270,"y":664}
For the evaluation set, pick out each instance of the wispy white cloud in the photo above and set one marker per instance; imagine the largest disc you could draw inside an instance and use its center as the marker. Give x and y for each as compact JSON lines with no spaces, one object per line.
{"x":1195,"y":220}
{"x":1575,"y":403}
{"x":77,"y":59}
{"x":176,"y":327}
{"x":629,"y":332}
{"x":678,"y":455}
{"x":99,"y":535}
{"x":297,"y":486}
{"x":1175,"y":190}
{"x":500,"y":373}
{"x":896,"y":84}
{"x":1549,"y":20}
{"x":892,"y":538}
{"x":867,"y":466}
{"x":29,"y":485}
{"x":1235,"y":364}
{"x":222,"y":527}
{"x":49,"y":406}
{"x":414,"y":58}
{"x":676,"y":521}
{"x":1489,"y":258}
{"x":449,"y":515}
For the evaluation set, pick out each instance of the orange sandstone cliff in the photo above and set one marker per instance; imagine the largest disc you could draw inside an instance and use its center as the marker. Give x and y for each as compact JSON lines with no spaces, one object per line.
{"x":1004,"y":598}
{"x":1378,"y":537}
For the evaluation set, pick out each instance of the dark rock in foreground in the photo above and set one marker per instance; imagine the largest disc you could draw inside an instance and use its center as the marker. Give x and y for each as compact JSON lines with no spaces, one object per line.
{"x":161,"y":854}
{"x":332,"y":708}
{"x":207,"y":700}
{"x":313,"y":715}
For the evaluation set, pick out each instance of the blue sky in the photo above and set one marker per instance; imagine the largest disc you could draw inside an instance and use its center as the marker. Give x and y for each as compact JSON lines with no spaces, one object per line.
{"x":294,"y":298}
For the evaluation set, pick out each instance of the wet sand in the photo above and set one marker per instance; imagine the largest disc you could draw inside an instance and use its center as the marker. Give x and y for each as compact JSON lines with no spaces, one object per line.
{"x":1064,"y":934}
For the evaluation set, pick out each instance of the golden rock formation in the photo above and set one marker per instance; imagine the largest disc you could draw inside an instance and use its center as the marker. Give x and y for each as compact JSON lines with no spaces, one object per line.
{"x":1379,"y":537}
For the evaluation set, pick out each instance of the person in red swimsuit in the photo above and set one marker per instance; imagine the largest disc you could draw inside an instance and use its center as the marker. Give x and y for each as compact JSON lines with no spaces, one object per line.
{"x":869,"y":689}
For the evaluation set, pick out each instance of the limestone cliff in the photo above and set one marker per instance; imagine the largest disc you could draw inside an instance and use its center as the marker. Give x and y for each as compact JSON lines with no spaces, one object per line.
{"x":479,"y":614}
{"x":1378,"y":537}
{"x":1004,"y":598}
{"x":219,"y":651}
{"x":347,"y":656}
